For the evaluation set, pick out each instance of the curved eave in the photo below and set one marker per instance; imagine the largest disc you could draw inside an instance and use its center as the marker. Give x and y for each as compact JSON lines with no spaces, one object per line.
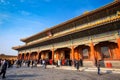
{"x":18,"y":47}
{"x":28,"y":45}
{"x":71,"y":20}
{"x":26,"y":39}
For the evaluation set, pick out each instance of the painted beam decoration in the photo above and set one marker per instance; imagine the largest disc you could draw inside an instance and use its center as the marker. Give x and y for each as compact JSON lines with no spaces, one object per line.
{"x":105,"y":20}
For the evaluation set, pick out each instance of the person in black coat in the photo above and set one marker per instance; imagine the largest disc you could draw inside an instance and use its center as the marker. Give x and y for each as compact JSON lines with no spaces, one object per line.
{"x":98,"y":67}
{"x":28,"y":63}
{"x":77,"y":65}
{"x":3,"y":69}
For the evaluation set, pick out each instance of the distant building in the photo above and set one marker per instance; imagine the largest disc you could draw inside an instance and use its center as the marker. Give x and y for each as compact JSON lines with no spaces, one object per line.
{"x":92,"y":36}
{"x":8,"y":57}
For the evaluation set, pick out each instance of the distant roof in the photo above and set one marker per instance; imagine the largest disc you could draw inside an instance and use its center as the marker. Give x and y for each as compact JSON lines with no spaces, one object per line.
{"x":6,"y":55}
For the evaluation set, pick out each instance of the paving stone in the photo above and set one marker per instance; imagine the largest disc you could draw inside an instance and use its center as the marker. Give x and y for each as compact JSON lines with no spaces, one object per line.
{"x":25,"y":73}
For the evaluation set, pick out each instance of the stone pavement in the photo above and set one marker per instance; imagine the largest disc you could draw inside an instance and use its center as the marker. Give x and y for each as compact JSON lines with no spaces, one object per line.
{"x":89,"y":69}
{"x":56,"y":73}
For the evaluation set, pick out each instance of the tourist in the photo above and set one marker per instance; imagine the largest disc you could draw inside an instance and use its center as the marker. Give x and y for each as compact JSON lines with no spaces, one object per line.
{"x":17,"y":64}
{"x":67,"y":62}
{"x":35,"y":63}
{"x":32,"y":62}
{"x":12,"y":63}
{"x":3,"y":68}
{"x":0,"y":62}
{"x":59,"y":62}
{"x":9,"y":63}
{"x":20,"y":63}
{"x":81,"y":62}
{"x":77,"y":64}
{"x":44,"y":63}
{"x":70,"y":61}
{"x":40,"y":61}
{"x":28,"y":63}
{"x":98,"y":67}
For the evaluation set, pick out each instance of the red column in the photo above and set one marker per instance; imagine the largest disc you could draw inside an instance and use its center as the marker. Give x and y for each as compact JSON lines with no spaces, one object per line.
{"x":118,"y":43}
{"x":29,"y":56}
{"x":53,"y":54}
{"x":37,"y":55}
{"x":25,"y":56}
{"x":18,"y":57}
{"x":57,"y":55}
{"x":51,"y":61}
{"x":72,"y":54}
{"x":92,"y":52}
{"x":76,"y":54}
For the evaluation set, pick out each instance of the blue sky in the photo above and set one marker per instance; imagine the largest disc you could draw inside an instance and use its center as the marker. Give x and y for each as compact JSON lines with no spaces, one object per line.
{"x":23,"y":18}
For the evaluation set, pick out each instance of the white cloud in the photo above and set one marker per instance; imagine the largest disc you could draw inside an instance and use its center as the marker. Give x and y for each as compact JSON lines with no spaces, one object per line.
{"x":5,"y":2}
{"x":1,"y":22}
{"x":21,"y":1}
{"x":47,"y":0}
{"x":2,"y":1}
{"x":19,"y":27}
{"x":3,"y":18}
{"x":13,"y":5}
{"x":25,"y":13}
{"x":3,"y":15}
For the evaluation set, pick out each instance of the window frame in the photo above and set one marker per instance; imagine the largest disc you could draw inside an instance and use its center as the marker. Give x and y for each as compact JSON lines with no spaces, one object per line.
{"x":108,"y":50}
{"x":88,"y":53}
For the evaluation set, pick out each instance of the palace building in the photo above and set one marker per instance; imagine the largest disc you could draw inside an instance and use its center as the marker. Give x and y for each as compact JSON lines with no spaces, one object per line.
{"x":90,"y":37}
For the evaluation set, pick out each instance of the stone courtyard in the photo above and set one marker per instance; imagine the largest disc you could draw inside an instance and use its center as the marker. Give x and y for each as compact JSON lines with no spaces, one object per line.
{"x":38,"y":73}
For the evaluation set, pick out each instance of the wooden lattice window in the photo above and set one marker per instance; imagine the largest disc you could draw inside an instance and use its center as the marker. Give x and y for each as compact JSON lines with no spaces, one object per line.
{"x":105,"y":52}
{"x":85,"y":53}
